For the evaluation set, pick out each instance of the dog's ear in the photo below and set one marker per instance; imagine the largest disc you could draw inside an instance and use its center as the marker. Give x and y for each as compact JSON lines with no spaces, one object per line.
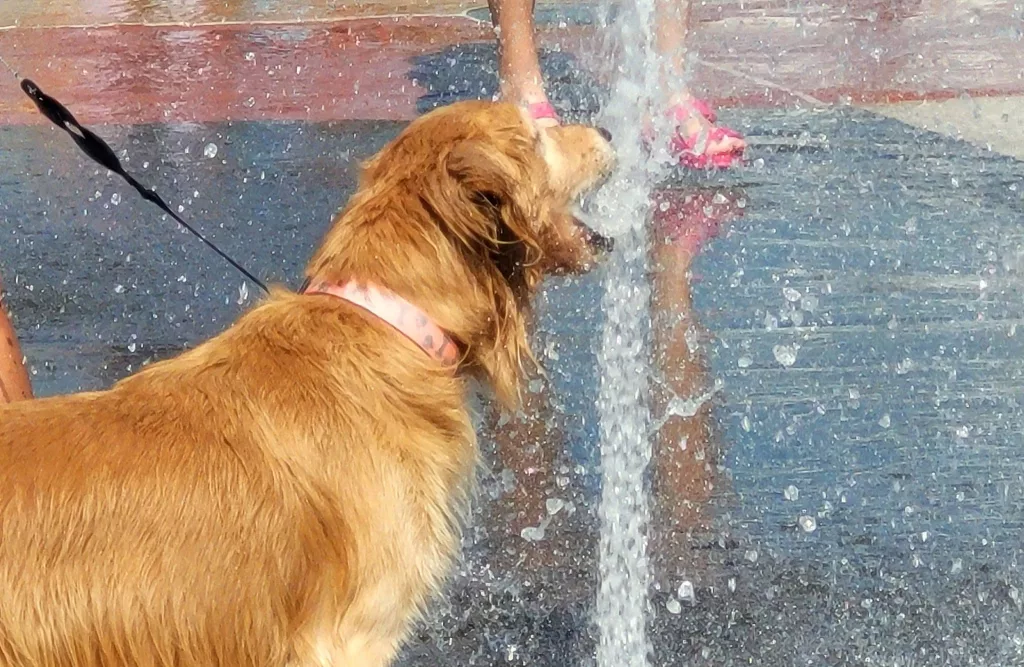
{"x":488,"y":199}
{"x":501,"y":184}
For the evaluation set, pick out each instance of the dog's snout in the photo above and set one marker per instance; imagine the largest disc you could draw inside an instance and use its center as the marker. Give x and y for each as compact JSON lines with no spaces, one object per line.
{"x":605,"y":133}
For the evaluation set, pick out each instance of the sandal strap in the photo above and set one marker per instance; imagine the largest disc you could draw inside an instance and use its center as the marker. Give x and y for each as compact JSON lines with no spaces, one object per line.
{"x":542,"y":111}
{"x":704,"y":109}
{"x":693,"y":107}
{"x":698,"y":142}
{"x":692,"y":149}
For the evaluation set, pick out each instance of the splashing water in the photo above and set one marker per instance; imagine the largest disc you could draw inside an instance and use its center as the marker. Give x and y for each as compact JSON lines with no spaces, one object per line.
{"x":625,"y":453}
{"x":623,"y":206}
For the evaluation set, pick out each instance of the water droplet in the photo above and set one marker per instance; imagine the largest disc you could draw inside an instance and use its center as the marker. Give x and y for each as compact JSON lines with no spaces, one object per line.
{"x":751,"y":555}
{"x":791,"y":493}
{"x":791,"y":294}
{"x":744,"y":362}
{"x":243,"y":293}
{"x":554,"y":505}
{"x":809,"y":303}
{"x":745,"y":423}
{"x":131,"y":346}
{"x":115,"y":198}
{"x":885,"y":421}
{"x":507,"y":480}
{"x":250,"y":56}
{"x":808,"y":523}
{"x":957,"y":566}
{"x":673,"y":606}
{"x":210,"y":151}
{"x":731,"y":584}
{"x":686,"y":592}
{"x":785,"y":354}
{"x":924,"y":535}
{"x":119,"y":289}
{"x":532,"y":533}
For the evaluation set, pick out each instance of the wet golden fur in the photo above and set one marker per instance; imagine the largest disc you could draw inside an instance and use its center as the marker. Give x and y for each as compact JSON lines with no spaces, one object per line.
{"x":288,"y":493}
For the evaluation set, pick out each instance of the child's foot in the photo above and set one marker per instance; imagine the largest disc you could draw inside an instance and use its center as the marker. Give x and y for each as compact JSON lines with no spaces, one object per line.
{"x":698,"y":143}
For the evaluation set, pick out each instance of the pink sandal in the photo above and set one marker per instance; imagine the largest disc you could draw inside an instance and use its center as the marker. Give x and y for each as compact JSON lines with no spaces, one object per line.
{"x":691,"y":150}
{"x":704,"y":109}
{"x":542,"y":111}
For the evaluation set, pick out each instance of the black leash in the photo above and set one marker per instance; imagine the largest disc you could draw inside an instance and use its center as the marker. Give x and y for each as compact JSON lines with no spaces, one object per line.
{"x":100,"y":152}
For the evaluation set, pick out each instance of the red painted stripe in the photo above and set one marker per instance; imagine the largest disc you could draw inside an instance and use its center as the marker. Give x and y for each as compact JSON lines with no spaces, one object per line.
{"x":139,"y":74}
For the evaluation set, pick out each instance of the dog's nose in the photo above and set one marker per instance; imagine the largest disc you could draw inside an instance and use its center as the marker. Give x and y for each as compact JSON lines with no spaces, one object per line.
{"x":605,"y":133}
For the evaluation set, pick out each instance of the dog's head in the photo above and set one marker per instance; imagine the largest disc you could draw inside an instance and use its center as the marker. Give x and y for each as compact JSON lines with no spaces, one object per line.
{"x":491,"y":174}
{"x":464,"y":213}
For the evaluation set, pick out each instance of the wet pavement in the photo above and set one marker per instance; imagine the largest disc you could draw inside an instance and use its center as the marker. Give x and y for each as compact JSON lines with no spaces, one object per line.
{"x":867,"y":489}
{"x":202,"y":62}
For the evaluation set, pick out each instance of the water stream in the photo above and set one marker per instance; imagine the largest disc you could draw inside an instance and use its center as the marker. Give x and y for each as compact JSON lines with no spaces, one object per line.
{"x":622,"y":209}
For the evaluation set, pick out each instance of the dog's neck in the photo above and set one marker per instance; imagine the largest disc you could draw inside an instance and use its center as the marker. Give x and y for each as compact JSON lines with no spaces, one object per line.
{"x":405,"y":317}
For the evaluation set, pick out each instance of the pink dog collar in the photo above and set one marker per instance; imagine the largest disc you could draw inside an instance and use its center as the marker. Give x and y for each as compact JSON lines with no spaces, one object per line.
{"x":409,"y":320}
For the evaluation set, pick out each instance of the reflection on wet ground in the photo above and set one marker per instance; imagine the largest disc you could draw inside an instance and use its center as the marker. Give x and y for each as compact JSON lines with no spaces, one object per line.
{"x":849,"y":494}
{"x":98,"y":12}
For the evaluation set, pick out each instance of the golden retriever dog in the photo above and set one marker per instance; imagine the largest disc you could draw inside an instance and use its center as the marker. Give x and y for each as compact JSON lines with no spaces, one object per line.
{"x":289,"y":493}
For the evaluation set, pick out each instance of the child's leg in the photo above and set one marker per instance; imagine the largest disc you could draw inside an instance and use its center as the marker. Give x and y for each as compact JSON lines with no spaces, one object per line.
{"x":672,"y":30}
{"x":518,"y":64}
{"x":14,"y":381}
